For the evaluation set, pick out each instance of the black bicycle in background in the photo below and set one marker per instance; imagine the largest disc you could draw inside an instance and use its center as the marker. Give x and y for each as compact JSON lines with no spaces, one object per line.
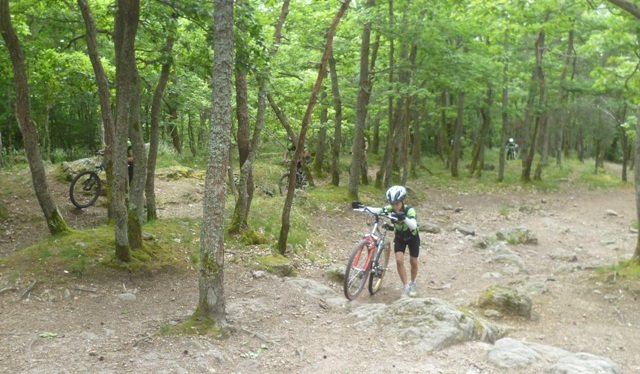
{"x":86,"y":187}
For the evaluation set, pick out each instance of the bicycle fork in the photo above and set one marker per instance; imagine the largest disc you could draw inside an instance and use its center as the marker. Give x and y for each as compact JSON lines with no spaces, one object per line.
{"x":371,"y":250}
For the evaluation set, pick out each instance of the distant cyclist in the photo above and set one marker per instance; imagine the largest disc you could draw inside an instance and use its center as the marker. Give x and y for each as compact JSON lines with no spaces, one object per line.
{"x":512,"y":149}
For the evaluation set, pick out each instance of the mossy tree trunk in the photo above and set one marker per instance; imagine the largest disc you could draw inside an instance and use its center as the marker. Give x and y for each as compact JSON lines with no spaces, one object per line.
{"x":127,"y":109}
{"x":211,"y":302}
{"x":55,"y":221}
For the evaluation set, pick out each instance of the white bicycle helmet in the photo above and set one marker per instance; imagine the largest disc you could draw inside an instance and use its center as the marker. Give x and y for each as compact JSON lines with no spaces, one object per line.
{"x":510,"y":140}
{"x":396,"y":193}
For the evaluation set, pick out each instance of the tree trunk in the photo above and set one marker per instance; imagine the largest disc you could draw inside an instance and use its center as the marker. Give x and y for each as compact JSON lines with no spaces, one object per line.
{"x":245,"y":185}
{"x":243,"y":131}
{"x":337,"y":129}
{"x":536,"y":78}
{"x":322,"y":134}
{"x":154,"y":139}
{"x":636,"y":173}
{"x":286,"y":211}
{"x":173,"y":128}
{"x":283,"y":119}
{"x":1,"y":151}
{"x":478,"y":149}
{"x":192,"y":135}
{"x":103,"y":94}
{"x":457,"y":134}
{"x":364,"y":92}
{"x":211,"y":303}
{"x":55,"y":221}
{"x":127,"y":102}
{"x":382,"y":178}
{"x":564,"y":96}
{"x":504,"y":115}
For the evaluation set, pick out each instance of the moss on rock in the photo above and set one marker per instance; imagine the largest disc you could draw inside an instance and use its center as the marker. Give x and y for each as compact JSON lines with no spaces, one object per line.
{"x":277,"y":264}
{"x":506,"y":300}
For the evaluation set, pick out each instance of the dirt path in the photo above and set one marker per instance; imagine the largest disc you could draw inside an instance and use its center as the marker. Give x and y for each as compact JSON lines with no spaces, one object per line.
{"x":277,"y":328}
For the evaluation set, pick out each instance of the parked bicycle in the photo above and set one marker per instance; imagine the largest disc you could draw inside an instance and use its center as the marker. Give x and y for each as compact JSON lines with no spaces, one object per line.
{"x":370,"y":257}
{"x":86,"y":187}
{"x":301,"y":179}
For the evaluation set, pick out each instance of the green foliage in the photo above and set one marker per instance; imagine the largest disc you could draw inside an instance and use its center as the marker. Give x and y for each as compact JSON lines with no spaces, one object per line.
{"x":628,"y":269}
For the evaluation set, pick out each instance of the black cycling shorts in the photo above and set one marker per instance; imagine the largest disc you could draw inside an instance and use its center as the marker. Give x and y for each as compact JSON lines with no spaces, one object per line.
{"x":406,"y":239}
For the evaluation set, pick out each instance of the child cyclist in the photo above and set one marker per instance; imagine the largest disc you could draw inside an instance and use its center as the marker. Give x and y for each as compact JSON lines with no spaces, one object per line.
{"x":406,"y":235}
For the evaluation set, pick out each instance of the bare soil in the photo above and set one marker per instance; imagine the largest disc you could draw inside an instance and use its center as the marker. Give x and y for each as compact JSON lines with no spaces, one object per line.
{"x":85,"y":325}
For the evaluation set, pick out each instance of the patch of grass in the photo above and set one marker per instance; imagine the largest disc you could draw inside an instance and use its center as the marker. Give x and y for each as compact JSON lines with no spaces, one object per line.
{"x":4,"y":212}
{"x":627,"y":269}
{"x":601,"y":180}
{"x":504,"y":211}
{"x":92,"y":252}
{"x":194,"y":325}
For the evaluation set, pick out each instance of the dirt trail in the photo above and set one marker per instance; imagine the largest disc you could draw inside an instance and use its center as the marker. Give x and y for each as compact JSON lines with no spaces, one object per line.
{"x":277,"y":328}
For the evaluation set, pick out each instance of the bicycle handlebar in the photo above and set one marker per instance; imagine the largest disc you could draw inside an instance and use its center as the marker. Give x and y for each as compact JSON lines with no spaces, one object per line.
{"x":359,"y":207}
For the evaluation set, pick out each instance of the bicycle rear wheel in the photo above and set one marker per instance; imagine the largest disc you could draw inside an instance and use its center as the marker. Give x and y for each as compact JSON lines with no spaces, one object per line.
{"x":381,"y":264}
{"x":85,"y":189}
{"x":283,"y":183}
{"x":355,"y":276}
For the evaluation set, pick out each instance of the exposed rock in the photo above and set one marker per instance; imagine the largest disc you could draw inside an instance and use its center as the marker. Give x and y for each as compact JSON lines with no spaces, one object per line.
{"x":502,"y":254}
{"x":181,"y":172}
{"x":430,"y":228}
{"x":277,"y":264}
{"x":509,"y":353}
{"x":336,"y":273}
{"x":465,"y":230}
{"x":127,"y":296}
{"x":317,"y":290}
{"x":69,"y":169}
{"x":563,"y":255}
{"x":428,"y":323}
{"x":518,"y":235}
{"x":612,"y":213}
{"x":506,"y":300}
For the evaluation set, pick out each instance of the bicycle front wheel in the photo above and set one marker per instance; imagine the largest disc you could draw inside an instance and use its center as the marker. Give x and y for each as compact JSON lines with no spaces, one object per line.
{"x":355,"y":276}
{"x":380,"y":266}
{"x":85,"y":189}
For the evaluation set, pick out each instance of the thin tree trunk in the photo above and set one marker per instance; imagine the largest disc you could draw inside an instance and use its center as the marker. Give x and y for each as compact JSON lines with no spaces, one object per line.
{"x":636,"y":172}
{"x":364,"y":92}
{"x":478,"y":149}
{"x":337,"y":129}
{"x":154,"y":139}
{"x":382,"y":177}
{"x":283,"y":119}
{"x":457,"y":134}
{"x":505,"y":116}
{"x":104,"y":96}
{"x":1,"y":151}
{"x":322,"y":134}
{"x":286,"y":211}
{"x":55,"y":221}
{"x":192,"y":135}
{"x":539,"y":78}
{"x":211,"y":303}
{"x":245,"y":184}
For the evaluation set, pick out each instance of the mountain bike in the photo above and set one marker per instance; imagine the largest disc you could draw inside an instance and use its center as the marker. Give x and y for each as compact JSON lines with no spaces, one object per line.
{"x":301,"y":180}
{"x":511,"y":152}
{"x":370,"y":257}
{"x":86,"y":187}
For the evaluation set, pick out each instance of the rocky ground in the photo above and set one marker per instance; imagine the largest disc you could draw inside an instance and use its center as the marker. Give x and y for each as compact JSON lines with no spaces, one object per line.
{"x":580,"y":322}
